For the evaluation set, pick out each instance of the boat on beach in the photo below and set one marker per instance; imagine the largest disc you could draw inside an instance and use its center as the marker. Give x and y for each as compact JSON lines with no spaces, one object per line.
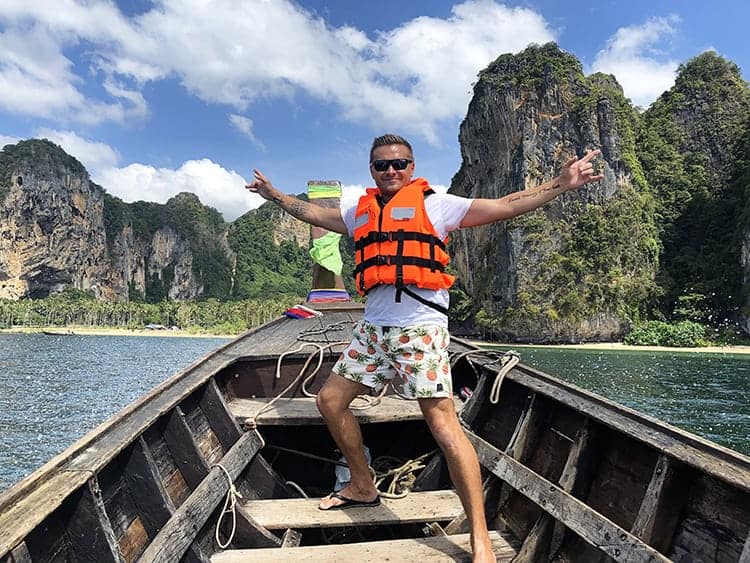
{"x":216,"y":464}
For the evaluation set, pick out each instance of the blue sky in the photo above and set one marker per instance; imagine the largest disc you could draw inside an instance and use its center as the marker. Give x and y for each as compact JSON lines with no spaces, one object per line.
{"x":158,"y":97}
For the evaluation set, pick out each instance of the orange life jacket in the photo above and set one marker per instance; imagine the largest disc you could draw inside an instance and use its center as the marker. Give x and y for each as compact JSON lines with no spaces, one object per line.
{"x":396,"y":244}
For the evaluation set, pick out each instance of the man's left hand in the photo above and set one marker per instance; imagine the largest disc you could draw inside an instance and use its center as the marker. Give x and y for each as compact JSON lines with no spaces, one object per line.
{"x":577,"y":172}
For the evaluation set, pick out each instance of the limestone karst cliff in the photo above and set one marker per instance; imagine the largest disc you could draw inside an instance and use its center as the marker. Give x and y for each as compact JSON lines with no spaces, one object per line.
{"x":51,"y":224}
{"x":59,"y":230}
{"x":690,"y":147}
{"x":583,"y":265}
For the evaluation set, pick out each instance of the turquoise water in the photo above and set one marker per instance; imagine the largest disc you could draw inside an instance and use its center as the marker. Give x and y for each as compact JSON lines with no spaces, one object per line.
{"x":54,"y":389}
{"x":705,"y":393}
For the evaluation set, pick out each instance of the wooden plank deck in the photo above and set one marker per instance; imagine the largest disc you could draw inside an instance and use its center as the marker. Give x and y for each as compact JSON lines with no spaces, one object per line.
{"x":425,"y":550}
{"x":430,"y":506}
{"x":302,"y":411}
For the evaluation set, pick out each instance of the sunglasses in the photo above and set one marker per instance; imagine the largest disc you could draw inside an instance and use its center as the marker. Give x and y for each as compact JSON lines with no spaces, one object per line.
{"x":397,"y":163}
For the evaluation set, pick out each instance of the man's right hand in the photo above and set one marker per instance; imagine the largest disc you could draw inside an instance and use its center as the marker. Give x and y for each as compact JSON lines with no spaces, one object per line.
{"x":261,"y":185}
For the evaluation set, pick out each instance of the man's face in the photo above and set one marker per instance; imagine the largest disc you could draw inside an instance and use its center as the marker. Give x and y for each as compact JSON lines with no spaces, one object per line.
{"x":391,"y":180}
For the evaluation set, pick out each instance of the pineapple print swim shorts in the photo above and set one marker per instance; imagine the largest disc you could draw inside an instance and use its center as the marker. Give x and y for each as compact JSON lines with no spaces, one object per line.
{"x":415,"y":358}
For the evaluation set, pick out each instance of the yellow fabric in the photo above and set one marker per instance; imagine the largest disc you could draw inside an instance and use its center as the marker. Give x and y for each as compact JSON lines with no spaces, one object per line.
{"x":324,"y":189}
{"x":325,"y":251}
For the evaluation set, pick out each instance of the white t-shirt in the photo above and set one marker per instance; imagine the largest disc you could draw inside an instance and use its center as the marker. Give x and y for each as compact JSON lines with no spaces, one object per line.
{"x":446,"y":213}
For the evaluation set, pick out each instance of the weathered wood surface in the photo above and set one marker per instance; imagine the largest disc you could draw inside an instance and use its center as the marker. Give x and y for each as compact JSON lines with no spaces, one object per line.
{"x":662,"y":505}
{"x":594,"y":528}
{"x":216,"y":410}
{"x":18,"y":555}
{"x":291,"y":538}
{"x":302,"y":411}
{"x":20,"y":517}
{"x":437,"y":548}
{"x":175,"y":537}
{"x":745,"y":556}
{"x":146,"y":488}
{"x":304,"y":513}
{"x":546,"y":535}
{"x":718,"y":461}
{"x":185,"y":450}
{"x":90,"y":531}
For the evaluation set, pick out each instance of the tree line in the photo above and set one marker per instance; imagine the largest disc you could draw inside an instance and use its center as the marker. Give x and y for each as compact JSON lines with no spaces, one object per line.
{"x":78,"y":308}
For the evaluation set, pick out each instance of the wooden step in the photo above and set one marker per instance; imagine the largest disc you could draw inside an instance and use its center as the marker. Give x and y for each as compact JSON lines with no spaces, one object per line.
{"x":424,"y":550}
{"x":300,"y":411}
{"x":428,"y":506}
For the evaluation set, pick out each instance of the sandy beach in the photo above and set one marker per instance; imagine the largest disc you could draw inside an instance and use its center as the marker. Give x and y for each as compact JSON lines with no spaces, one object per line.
{"x":619,"y":346}
{"x":608,"y":346}
{"x":110,"y":331}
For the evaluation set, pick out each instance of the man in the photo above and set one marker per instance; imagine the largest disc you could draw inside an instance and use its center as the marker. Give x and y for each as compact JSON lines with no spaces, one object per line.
{"x":399,"y":228}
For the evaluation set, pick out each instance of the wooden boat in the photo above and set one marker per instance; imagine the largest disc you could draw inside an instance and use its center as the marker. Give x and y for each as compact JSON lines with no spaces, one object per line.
{"x":569,"y":476}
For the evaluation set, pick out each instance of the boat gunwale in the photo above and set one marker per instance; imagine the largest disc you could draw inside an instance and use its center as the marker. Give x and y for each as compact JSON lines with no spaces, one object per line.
{"x":33,"y":484}
{"x":692,"y":445}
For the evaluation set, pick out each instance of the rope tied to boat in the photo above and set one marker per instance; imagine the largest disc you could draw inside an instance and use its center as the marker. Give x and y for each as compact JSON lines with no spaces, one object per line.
{"x":506,"y":360}
{"x":509,"y":360}
{"x":252,"y":424}
{"x":230,"y":506}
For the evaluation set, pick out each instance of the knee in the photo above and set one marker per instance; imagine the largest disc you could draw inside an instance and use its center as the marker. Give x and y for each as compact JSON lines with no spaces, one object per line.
{"x":446,"y":437}
{"x":329,"y":402}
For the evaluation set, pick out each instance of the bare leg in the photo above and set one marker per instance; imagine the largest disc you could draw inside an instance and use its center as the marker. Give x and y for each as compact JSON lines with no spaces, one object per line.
{"x":463,"y":466}
{"x":333,"y":403}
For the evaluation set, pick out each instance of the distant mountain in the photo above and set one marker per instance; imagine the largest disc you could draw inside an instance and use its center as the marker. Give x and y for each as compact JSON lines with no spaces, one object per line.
{"x":58,"y":229}
{"x":661,"y":236}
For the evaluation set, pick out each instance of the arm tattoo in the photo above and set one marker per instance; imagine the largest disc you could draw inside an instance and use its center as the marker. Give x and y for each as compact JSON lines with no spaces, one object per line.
{"x":295,"y":207}
{"x":299,"y":209}
{"x":534,"y":193}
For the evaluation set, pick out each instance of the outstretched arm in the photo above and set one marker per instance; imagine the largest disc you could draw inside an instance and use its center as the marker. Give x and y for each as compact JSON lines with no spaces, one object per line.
{"x":328,"y":218}
{"x":574,"y":174}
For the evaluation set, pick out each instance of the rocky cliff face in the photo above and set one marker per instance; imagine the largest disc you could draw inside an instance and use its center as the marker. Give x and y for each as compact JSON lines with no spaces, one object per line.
{"x":576,"y":268}
{"x":51,"y":225}
{"x":53,"y":234}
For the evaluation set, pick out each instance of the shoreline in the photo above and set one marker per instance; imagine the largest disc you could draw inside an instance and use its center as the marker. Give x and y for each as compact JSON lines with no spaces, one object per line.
{"x":603,"y":346}
{"x":620,"y":347}
{"x":108,"y":331}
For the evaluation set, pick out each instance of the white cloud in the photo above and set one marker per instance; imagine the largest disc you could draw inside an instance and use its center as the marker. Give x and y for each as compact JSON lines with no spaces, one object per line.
{"x":95,"y":156}
{"x":350,"y":193}
{"x":215,"y":186}
{"x":636,"y":57}
{"x":237,"y":51}
{"x":245,"y":126}
{"x":8,"y":140}
{"x":37,"y":79}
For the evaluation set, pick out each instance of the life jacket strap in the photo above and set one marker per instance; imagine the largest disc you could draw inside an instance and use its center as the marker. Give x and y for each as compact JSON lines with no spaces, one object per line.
{"x":392,"y":260}
{"x":374,"y":237}
{"x":417,"y":297}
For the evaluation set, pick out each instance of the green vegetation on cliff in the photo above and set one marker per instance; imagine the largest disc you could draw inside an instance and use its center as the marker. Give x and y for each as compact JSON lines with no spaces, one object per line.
{"x":27,"y":156}
{"x":589,"y":255}
{"x":202,"y":227}
{"x":688,"y":148}
{"x":263,"y":268}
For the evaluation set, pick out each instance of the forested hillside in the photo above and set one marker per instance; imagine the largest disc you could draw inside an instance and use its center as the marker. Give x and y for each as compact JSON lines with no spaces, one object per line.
{"x":661,"y":237}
